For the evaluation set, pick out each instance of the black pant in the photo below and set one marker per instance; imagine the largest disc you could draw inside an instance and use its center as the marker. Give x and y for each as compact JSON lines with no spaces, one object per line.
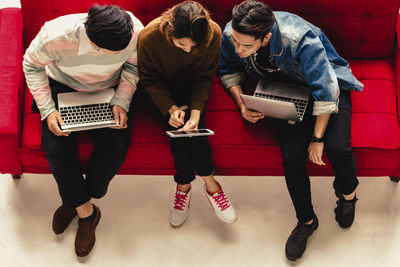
{"x":191,"y":155}
{"x":294,"y":141}
{"x":110,"y":147}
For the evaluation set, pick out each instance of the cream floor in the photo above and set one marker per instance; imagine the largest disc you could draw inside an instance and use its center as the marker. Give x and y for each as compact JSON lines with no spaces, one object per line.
{"x":134,"y":229}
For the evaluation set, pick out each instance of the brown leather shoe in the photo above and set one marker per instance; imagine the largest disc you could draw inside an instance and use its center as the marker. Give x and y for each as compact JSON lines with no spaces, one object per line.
{"x":62,"y":218}
{"x":85,"y":236}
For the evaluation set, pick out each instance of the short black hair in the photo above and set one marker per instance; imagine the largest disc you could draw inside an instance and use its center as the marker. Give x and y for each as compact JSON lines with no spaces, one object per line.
{"x":109,"y":27}
{"x":253,"y":18}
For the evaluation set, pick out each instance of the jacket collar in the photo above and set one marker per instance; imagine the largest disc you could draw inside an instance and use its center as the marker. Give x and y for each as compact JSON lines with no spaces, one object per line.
{"x":275,"y":41}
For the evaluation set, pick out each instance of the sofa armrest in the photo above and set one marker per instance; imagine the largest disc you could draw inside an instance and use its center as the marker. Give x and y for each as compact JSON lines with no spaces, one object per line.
{"x":11,"y":89}
{"x":396,"y":63}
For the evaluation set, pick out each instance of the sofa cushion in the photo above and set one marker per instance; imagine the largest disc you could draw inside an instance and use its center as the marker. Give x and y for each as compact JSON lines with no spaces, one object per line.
{"x":374,"y":111}
{"x":374,"y":116}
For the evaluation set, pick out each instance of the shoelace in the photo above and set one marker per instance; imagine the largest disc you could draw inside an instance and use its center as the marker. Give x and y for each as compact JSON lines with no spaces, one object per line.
{"x":221,"y":200}
{"x":180,"y":201}
{"x":300,"y":232}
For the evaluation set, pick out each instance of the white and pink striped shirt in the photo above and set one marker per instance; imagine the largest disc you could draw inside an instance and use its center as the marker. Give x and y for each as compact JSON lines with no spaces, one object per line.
{"x":62,"y":51}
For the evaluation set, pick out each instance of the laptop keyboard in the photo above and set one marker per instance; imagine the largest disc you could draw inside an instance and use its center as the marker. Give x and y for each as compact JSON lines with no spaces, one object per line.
{"x":299,"y":104}
{"x":84,"y":114}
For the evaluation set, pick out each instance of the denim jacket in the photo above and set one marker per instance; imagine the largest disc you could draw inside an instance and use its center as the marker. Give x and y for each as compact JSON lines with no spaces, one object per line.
{"x":301,"y":51}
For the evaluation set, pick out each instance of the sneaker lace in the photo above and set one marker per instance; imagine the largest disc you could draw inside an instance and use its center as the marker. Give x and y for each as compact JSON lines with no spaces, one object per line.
{"x":221,"y":200}
{"x":300,"y":232}
{"x":180,"y":201}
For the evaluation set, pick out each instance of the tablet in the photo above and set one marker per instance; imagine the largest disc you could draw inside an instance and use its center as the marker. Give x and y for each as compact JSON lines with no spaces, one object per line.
{"x":190,"y":133}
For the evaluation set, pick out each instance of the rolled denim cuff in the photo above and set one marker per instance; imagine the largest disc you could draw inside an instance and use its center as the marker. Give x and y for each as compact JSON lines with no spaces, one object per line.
{"x":229,"y":80}
{"x":325,"y":107}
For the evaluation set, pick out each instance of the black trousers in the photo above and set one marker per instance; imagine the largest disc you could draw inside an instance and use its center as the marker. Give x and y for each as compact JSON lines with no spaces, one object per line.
{"x":191,"y":155}
{"x":294,"y":141}
{"x":110,"y":147}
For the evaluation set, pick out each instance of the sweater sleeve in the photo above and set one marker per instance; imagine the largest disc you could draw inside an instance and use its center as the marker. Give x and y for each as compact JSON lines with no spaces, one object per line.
{"x":151,"y":79}
{"x":129,"y":74}
{"x":35,"y":60}
{"x":202,"y":79}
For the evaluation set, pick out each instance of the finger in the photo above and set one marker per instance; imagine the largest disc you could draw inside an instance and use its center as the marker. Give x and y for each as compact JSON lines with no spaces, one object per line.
{"x":60,"y":120}
{"x":56,"y":130}
{"x":311,"y":157}
{"x":181,"y":116}
{"x":123,"y":118}
{"x":117,"y":116}
{"x":175,"y":121}
{"x":254,"y":114}
{"x":320,"y":161}
{"x":173,"y":124}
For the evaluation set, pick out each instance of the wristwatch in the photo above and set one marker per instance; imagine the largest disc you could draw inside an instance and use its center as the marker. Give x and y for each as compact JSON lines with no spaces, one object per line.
{"x":317,"y":139}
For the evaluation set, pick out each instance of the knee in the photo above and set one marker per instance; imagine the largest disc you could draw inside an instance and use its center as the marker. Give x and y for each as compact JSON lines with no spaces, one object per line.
{"x":118,"y":148}
{"x":336,"y":150}
{"x":57,"y":150}
{"x":293,"y":156}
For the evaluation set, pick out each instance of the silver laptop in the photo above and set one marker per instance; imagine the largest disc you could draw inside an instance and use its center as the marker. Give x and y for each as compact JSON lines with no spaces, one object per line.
{"x":85,"y":111}
{"x":287,"y":101}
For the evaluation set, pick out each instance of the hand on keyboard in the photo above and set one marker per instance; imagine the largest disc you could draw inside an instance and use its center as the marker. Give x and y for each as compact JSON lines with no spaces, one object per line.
{"x":120,"y":117}
{"x":53,"y":120}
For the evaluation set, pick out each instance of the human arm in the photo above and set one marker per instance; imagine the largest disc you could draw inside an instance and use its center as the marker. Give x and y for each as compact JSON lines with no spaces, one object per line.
{"x":310,"y":53}
{"x":128,"y":81}
{"x":34,"y":62}
{"x":150,"y":76}
{"x":248,"y":115}
{"x":316,"y":149}
{"x":203,"y":75}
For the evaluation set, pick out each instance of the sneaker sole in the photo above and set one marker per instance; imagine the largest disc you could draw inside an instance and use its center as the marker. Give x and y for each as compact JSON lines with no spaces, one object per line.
{"x":178,"y":224}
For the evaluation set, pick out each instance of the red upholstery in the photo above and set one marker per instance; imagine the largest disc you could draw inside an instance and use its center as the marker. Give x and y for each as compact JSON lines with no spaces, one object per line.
{"x":363,"y":31}
{"x":10,"y":89}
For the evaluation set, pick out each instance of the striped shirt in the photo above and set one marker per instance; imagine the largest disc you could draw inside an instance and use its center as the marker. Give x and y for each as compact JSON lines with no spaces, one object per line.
{"x":62,"y":51}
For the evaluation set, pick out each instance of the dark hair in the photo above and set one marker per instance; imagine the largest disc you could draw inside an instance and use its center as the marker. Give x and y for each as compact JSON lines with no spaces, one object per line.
{"x":109,"y":27}
{"x":187,"y":20}
{"x":254,"y":18}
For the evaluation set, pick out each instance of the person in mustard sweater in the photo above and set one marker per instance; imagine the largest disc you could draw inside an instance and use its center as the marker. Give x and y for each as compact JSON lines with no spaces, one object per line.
{"x":178,"y":54}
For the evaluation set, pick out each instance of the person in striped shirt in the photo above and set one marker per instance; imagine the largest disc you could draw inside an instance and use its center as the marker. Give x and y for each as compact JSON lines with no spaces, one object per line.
{"x":86,"y":52}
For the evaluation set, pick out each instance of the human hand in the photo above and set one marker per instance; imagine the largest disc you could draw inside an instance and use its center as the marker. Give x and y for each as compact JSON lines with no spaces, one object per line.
{"x":120,"y":117}
{"x":53,"y":120}
{"x":177,"y":118}
{"x":193,"y":122}
{"x":251,"y":116}
{"x":315,"y":152}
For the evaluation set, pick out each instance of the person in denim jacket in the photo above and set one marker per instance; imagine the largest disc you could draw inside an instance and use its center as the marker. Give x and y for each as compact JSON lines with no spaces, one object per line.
{"x":271,"y":45}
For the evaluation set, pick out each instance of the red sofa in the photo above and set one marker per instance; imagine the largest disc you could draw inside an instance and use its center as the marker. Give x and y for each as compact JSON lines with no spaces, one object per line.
{"x":363,"y":31}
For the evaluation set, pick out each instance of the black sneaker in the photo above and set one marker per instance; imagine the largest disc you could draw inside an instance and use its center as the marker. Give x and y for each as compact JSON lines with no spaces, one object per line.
{"x":297,"y":241}
{"x":345,"y":210}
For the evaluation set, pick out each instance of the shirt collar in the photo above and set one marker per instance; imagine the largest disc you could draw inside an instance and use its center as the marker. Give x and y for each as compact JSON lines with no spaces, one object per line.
{"x":84,"y":43}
